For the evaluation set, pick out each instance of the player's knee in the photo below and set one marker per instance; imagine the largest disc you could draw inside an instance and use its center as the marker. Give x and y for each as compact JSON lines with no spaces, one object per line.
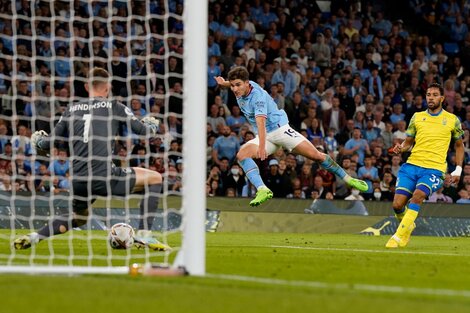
{"x":241,"y":155}
{"x":155,"y":178}
{"x":418,"y":198}
{"x":419,"y":195}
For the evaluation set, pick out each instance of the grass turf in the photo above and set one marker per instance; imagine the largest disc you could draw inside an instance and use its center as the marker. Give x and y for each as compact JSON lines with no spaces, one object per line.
{"x":262,"y":273}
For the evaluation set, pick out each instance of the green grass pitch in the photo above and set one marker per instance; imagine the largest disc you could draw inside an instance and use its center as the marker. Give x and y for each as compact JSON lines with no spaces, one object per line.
{"x":263,"y":273}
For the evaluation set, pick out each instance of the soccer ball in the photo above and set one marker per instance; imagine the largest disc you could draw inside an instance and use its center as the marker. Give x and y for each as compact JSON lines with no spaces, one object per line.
{"x":121,"y":236}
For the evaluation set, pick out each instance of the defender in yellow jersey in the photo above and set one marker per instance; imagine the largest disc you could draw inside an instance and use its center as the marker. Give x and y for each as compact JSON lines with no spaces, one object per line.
{"x":431,"y":132}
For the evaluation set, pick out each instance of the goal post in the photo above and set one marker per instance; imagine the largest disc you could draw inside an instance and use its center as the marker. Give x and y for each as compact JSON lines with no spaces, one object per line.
{"x":194,"y":148}
{"x":86,"y":251}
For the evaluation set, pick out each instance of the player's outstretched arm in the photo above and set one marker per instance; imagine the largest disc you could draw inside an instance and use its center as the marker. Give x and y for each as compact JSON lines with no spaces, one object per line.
{"x":222,"y":82}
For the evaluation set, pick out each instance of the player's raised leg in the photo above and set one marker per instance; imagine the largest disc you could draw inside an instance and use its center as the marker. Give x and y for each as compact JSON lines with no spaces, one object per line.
{"x":245,"y":158}
{"x":308,"y":150}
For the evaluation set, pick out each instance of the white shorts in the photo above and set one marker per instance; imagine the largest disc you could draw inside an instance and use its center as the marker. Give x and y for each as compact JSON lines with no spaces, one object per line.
{"x":285,"y":137}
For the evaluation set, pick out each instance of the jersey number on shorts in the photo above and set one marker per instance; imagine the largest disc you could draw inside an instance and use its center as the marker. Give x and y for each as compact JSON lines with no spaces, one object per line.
{"x":86,"y":127}
{"x":436,"y":181}
{"x":291,"y":132}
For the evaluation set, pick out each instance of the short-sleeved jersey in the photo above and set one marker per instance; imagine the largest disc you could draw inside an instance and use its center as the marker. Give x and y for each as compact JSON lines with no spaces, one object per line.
{"x":259,"y":103}
{"x":432,"y":133}
{"x":89,"y":127}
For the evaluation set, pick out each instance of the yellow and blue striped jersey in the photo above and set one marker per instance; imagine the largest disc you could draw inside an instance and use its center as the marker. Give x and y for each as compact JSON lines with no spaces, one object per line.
{"x":432,"y":133}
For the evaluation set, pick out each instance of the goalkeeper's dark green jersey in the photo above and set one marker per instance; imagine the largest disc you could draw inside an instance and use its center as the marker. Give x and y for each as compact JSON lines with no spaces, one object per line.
{"x":90,"y":128}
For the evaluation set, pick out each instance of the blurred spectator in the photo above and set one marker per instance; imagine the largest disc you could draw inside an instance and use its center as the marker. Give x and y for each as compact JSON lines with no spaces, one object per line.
{"x":356,"y":145}
{"x":285,"y":75}
{"x":464,"y":197}
{"x":60,"y":166}
{"x":306,"y":177}
{"x":355,"y":195}
{"x":235,"y":180}
{"x":318,"y":187}
{"x":438,"y":196}
{"x":235,"y":120}
{"x":400,"y":133}
{"x":395,"y":165}
{"x":369,"y":174}
{"x":330,"y":142}
{"x":335,"y":117}
{"x":296,"y":110}
{"x":217,"y":123}
{"x":21,"y":141}
{"x":370,"y":132}
{"x":321,"y":51}
{"x":387,"y":187}
{"x":225,"y":146}
{"x":342,"y":189}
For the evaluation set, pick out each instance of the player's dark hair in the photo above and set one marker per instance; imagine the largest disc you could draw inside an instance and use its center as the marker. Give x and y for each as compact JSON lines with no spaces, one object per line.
{"x":98,"y":76}
{"x":238,"y":72}
{"x":438,"y":86}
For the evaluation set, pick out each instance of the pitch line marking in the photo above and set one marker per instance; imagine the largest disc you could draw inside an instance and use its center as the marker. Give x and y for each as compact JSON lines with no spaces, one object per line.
{"x":396,"y":251}
{"x":345,"y":286}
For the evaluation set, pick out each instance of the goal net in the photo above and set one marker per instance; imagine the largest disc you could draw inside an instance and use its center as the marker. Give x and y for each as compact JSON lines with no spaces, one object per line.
{"x":149,"y":48}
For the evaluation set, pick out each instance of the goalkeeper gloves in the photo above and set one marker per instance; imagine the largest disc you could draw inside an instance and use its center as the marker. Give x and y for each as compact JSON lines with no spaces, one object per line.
{"x":37,"y":137}
{"x":151,"y":123}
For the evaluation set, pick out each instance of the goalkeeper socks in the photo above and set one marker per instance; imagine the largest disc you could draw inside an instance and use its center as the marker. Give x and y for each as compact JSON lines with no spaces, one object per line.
{"x":331,"y":166}
{"x":252,"y":172}
{"x":59,"y":225}
{"x":148,"y":207}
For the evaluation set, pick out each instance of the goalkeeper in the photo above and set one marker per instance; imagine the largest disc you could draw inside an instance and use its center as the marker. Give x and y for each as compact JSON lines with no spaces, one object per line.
{"x":89,"y":127}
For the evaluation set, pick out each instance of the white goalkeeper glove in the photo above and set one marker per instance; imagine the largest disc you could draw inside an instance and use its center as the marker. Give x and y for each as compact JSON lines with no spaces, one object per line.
{"x":152,"y":123}
{"x":37,"y":137}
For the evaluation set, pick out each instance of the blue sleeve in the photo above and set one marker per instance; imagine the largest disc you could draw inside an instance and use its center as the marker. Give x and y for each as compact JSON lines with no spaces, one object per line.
{"x":260,"y":106}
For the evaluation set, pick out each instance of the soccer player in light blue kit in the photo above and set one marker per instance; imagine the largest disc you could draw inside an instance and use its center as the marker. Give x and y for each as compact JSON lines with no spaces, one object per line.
{"x":273,"y":131}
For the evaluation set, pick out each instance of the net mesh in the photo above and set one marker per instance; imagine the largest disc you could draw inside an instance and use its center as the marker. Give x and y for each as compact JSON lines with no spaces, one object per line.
{"x":47,"y":49}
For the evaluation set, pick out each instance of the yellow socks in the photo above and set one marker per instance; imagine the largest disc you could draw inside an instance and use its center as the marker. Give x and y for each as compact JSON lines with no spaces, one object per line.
{"x":406,"y":223}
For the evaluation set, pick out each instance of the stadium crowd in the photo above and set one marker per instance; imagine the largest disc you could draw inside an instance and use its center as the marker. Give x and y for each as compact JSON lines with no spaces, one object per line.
{"x":349,"y":79}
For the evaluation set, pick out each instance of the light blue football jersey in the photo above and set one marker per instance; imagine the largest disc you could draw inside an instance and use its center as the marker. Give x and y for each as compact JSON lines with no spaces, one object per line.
{"x":259,"y":103}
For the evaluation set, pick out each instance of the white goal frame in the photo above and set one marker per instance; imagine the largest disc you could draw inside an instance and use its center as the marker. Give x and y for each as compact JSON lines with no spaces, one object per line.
{"x":192,"y":254}
{"x":194,"y":135}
